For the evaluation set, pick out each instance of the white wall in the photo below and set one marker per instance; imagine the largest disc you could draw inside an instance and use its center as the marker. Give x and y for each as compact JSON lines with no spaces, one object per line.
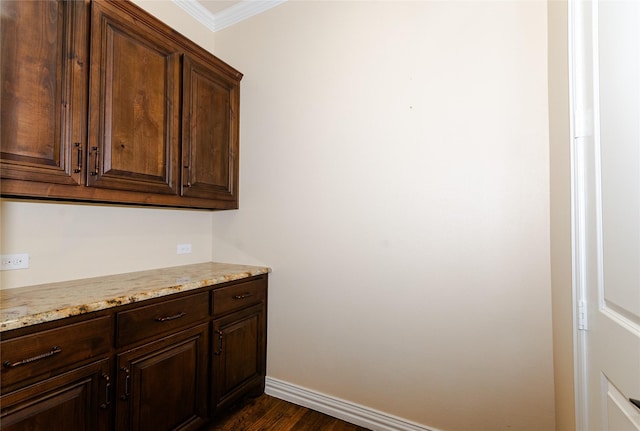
{"x":394,"y":173}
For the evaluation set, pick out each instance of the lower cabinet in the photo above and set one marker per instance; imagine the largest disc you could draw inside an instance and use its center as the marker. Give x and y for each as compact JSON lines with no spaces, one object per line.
{"x":238,"y":360}
{"x":165,"y":364}
{"x":78,"y":400}
{"x":163,"y":385}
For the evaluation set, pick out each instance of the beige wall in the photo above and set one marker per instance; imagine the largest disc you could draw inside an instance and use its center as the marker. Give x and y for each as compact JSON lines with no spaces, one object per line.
{"x":395,"y":174}
{"x":68,"y":241}
{"x":560,"y":198}
{"x":176,"y":17}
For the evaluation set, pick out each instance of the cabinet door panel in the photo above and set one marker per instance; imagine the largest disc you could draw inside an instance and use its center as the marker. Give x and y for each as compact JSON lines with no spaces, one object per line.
{"x":210,"y":133}
{"x":134,"y":104}
{"x":43,"y":90}
{"x":163,"y":385}
{"x":77,"y":400}
{"x":239,"y":346}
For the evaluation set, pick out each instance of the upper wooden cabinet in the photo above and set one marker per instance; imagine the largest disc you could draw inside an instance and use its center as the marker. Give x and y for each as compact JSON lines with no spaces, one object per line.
{"x":114,"y":106}
{"x":209,"y":132}
{"x":44,"y":60}
{"x":134,"y":104}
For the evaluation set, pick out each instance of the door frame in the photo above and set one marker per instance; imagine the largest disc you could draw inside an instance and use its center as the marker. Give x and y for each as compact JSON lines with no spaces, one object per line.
{"x":583,"y":124}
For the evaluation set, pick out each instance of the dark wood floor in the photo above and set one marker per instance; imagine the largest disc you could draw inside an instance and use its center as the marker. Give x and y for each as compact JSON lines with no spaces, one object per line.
{"x":267,"y":413}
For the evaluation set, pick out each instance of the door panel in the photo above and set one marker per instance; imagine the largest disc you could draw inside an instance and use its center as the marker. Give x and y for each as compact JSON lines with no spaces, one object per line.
{"x":43,"y":93}
{"x":77,"y":400}
{"x":238,"y":354}
{"x":134,"y":105}
{"x":616,"y":341}
{"x":621,"y":415}
{"x":608,"y":190}
{"x":210,"y":133}
{"x":162,"y":386}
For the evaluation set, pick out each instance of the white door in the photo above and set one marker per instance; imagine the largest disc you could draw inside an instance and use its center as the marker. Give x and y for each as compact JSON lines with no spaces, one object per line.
{"x":606,"y":106}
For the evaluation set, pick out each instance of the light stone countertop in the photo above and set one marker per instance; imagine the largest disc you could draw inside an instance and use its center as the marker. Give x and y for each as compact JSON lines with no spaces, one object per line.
{"x":25,"y":306}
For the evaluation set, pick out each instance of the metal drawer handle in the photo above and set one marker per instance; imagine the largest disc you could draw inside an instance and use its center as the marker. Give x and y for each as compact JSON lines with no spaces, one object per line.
{"x":127,"y":383}
{"x":97,"y":165}
{"x":174,"y":317}
{"x":79,"y":168}
{"x":54,"y":350}
{"x":243,"y":296}
{"x":107,"y":392}
{"x":219,"y":351}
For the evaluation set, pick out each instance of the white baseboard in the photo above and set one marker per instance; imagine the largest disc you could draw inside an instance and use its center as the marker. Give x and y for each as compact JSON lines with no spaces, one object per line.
{"x":337,"y":408}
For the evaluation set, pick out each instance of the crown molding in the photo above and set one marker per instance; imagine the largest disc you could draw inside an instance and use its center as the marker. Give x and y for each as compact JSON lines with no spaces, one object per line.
{"x":226,"y":17}
{"x":241,"y":11}
{"x":199,"y":12}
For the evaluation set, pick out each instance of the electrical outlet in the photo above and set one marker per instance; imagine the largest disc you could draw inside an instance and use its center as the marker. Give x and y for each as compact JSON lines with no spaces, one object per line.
{"x":183,"y":249}
{"x":15,"y":261}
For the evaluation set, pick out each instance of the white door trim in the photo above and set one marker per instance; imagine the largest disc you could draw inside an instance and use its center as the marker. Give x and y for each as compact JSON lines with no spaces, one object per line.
{"x":582,"y":131}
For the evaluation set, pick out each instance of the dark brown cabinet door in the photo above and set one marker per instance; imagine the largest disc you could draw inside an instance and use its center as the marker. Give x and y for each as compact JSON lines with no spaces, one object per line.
{"x":44,"y":90}
{"x":210,"y":133}
{"x":78,"y":400}
{"x":163,"y":385}
{"x":134,"y":103}
{"x":239,"y":355}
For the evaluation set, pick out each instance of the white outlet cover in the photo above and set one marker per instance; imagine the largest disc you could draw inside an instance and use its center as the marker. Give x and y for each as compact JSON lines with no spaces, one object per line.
{"x":183,"y":249}
{"x":15,"y":261}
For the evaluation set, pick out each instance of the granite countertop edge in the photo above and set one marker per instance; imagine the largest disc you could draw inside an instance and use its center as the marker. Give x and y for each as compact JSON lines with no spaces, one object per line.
{"x":32,"y":305}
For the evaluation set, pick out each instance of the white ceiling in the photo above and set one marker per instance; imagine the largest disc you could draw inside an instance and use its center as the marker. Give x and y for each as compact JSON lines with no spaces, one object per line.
{"x":216,"y":6}
{"x":218,"y":14}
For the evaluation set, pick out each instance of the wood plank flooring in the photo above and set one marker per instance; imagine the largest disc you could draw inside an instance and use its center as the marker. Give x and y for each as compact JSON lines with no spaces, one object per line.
{"x":267,"y":413}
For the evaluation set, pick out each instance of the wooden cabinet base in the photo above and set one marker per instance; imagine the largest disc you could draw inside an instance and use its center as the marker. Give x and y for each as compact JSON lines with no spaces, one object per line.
{"x":164,"y":364}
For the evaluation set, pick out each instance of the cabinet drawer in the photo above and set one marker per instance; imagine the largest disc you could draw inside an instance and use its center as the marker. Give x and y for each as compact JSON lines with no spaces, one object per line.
{"x":159,"y":319}
{"x":42,"y":354}
{"x":238,"y":296}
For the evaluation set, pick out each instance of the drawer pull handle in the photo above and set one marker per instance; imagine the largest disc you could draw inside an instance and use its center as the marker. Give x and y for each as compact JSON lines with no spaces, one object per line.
{"x":174,"y":317}
{"x":243,"y":296}
{"x":219,"y":351}
{"x":79,"y":168}
{"x":97,"y":165}
{"x":54,"y":351}
{"x":107,"y":393}
{"x":127,"y":383}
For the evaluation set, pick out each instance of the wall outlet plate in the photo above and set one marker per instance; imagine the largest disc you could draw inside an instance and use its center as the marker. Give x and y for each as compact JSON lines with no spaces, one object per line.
{"x":183,"y":249}
{"x":15,"y":261}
